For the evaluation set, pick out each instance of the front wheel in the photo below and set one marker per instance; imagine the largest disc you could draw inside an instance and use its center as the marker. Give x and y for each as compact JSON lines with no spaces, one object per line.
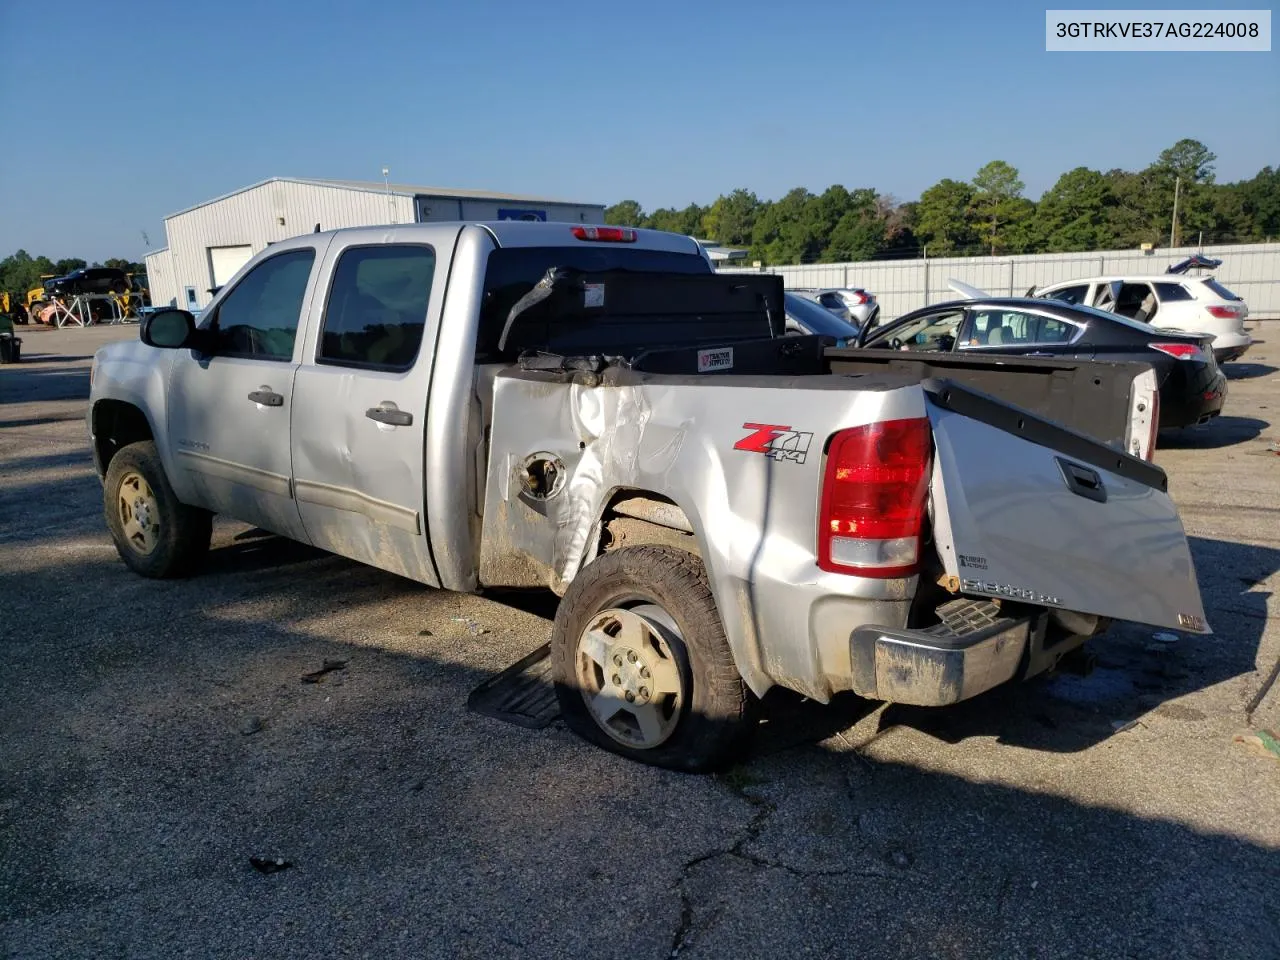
{"x":642,"y":666}
{"x":155,"y":534}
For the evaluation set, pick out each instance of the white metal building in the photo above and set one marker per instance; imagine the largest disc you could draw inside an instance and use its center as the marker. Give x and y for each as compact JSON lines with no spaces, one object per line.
{"x":209,"y":242}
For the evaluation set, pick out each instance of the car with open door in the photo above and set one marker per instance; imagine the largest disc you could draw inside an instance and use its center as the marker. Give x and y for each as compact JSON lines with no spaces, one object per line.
{"x":1192,"y":387}
{"x":1175,"y":300}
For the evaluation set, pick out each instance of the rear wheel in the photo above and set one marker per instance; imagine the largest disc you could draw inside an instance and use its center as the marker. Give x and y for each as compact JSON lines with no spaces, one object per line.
{"x":642,"y":665}
{"x":155,"y":534}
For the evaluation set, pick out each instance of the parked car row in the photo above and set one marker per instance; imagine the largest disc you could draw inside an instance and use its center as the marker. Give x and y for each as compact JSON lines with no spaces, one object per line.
{"x":1183,"y":326}
{"x":1192,"y":387}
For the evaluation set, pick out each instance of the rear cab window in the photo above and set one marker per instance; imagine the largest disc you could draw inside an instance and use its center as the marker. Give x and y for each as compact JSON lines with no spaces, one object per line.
{"x":511,"y":272}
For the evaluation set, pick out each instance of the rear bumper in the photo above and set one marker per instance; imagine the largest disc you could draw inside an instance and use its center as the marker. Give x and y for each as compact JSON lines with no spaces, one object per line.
{"x":1231,"y":346}
{"x":974,"y":650}
{"x":1193,"y":393}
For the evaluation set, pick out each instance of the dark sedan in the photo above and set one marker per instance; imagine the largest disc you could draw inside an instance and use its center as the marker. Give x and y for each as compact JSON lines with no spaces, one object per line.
{"x":806,"y":317}
{"x":1192,"y":388}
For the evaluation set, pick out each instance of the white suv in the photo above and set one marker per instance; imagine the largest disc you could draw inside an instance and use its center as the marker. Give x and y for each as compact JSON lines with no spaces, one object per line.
{"x":1169,"y":301}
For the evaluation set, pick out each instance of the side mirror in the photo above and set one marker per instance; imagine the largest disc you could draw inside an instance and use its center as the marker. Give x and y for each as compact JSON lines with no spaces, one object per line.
{"x":168,"y":329}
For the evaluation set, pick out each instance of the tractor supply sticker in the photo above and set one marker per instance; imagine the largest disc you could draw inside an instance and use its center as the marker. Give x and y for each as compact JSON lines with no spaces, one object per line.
{"x":593,"y":295}
{"x":773,"y":440}
{"x":709,"y":360}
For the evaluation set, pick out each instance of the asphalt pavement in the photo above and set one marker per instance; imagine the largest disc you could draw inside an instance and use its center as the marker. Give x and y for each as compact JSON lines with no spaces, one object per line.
{"x":156,"y":736}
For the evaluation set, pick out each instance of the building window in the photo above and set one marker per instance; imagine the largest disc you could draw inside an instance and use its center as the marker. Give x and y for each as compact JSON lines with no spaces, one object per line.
{"x":191,"y":296}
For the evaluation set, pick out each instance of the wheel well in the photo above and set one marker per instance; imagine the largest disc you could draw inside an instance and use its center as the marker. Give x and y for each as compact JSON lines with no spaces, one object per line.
{"x":637,"y":517}
{"x":116,"y":424}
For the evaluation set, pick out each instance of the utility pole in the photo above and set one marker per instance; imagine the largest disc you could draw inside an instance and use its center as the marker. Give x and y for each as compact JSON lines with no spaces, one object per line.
{"x":1173,"y":227}
{"x":391,"y":204}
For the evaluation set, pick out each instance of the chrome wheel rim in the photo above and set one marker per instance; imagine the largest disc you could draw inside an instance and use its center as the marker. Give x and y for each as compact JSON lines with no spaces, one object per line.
{"x":628,"y":678}
{"x":139,"y":513}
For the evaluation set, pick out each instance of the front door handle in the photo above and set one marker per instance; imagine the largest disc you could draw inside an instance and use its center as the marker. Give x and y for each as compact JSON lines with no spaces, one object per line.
{"x":267,"y":397}
{"x":390,"y":415}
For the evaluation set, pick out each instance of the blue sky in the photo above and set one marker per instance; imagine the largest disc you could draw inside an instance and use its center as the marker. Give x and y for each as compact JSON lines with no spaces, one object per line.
{"x":666,"y":103}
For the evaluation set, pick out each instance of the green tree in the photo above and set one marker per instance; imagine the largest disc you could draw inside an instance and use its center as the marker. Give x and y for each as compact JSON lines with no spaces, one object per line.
{"x":731,"y":218}
{"x":859,"y":235}
{"x":1073,"y":213}
{"x":787,"y":230}
{"x":995,"y":205}
{"x":66,"y":266}
{"x":628,"y":213}
{"x":687,"y":221}
{"x":1260,"y":201}
{"x":943,"y":219}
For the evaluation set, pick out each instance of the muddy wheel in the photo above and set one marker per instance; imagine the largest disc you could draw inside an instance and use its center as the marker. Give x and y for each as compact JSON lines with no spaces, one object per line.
{"x":155,"y":534}
{"x":33,"y":311}
{"x":642,"y":666}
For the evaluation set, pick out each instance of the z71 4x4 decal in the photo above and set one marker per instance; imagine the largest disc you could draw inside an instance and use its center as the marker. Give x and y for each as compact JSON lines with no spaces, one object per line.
{"x":774,"y":440}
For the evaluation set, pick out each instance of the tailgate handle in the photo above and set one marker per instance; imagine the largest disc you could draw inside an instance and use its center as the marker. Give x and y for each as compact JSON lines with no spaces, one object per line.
{"x":1082,"y":481}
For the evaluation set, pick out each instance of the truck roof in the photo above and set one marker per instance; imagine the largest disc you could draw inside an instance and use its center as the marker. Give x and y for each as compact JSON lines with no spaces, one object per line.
{"x":524,"y":233}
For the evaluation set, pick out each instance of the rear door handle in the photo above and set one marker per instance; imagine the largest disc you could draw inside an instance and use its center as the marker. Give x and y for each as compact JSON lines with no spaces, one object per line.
{"x":267,"y":397}
{"x":390,"y":415}
{"x":1082,"y":481}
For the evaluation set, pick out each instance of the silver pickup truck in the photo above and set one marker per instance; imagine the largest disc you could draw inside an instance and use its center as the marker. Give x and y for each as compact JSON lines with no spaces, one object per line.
{"x":721,"y":508}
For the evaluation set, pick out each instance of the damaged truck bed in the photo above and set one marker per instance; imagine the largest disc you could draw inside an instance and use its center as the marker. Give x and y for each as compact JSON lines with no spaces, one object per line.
{"x":721,"y":507}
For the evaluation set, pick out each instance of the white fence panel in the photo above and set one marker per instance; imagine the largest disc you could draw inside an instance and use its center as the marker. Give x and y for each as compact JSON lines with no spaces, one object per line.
{"x":1251,"y":270}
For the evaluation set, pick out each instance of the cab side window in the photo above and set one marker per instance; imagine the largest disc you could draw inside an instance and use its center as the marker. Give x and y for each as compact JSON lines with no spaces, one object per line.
{"x":259,"y":318}
{"x":377,"y":307}
{"x":1013,"y":328}
{"x":935,"y":332}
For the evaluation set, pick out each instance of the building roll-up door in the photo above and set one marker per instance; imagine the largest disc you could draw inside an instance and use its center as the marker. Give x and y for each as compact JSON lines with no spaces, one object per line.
{"x":225,"y":261}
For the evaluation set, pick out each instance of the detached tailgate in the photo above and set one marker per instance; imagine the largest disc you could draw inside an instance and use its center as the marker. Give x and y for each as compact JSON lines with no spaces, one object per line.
{"x":1028,"y":510}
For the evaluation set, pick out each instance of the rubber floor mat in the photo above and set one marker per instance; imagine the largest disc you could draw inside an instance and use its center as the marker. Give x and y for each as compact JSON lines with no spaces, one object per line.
{"x":522,"y":694}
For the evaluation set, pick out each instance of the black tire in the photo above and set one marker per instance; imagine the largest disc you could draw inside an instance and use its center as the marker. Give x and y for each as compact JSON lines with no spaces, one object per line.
{"x":181,"y":533}
{"x":33,"y":311}
{"x":717,"y":714}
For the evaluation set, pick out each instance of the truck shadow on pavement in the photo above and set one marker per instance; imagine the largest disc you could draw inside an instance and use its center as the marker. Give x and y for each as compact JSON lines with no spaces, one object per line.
{"x":172,"y":736}
{"x":1135,"y":672}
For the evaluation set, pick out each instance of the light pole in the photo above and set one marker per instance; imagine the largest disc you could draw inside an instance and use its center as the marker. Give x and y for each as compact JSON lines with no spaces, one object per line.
{"x":386,"y":179}
{"x":1173,"y":227}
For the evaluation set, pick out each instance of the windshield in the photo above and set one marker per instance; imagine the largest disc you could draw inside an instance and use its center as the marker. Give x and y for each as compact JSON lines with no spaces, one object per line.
{"x":1219,"y":289}
{"x":512,"y":272}
{"x":816,"y":319}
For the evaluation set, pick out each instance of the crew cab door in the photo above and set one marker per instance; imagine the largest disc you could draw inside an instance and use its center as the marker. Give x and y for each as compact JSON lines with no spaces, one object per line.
{"x":360,"y":400}
{"x":228,"y":410}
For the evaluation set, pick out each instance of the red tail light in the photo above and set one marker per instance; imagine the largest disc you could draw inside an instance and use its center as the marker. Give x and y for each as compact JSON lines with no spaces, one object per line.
{"x":1179,"y":351}
{"x":1223,"y":313}
{"x":606,"y":234}
{"x":874,"y":494}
